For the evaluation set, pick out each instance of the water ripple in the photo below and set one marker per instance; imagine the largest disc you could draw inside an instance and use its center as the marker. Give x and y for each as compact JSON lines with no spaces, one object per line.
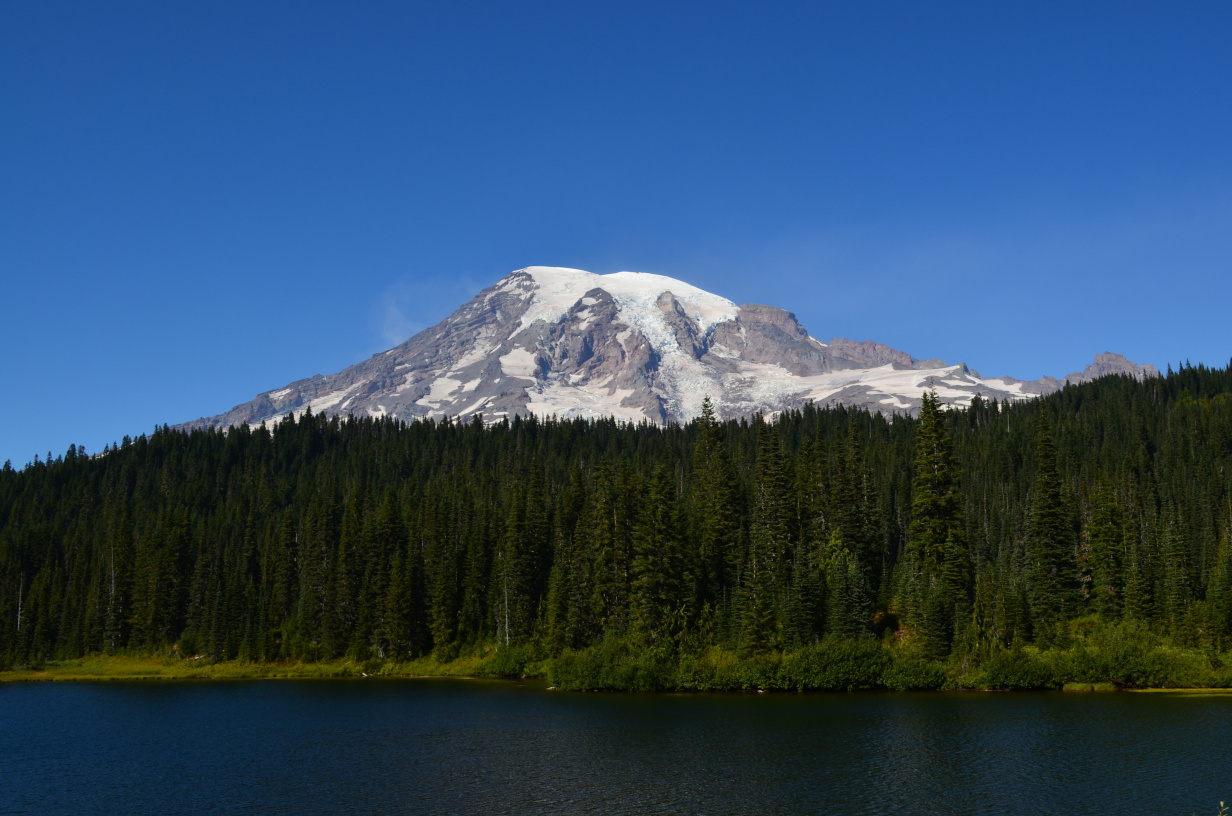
{"x":448,"y":747}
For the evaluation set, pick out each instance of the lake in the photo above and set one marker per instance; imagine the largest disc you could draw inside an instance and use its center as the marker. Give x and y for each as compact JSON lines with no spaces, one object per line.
{"x":490,"y":747}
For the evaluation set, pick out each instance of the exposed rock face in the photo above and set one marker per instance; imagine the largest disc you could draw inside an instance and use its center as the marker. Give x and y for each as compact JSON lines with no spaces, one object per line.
{"x":635,"y":346}
{"x":1109,"y":363}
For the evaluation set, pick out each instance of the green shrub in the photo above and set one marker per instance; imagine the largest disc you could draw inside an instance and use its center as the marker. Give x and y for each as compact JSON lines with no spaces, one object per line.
{"x":446,"y":652}
{"x":509,"y":661}
{"x":1017,"y":669}
{"x":836,"y":665}
{"x":1089,"y":687}
{"x":1129,"y":655}
{"x":914,"y":674}
{"x":614,"y":665}
{"x":719,"y":670}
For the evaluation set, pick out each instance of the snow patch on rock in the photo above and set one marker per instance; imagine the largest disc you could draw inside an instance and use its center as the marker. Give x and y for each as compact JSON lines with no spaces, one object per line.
{"x":518,"y":363}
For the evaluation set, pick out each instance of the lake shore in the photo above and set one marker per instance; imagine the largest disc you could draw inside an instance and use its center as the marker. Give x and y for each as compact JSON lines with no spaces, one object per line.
{"x":103,"y":668}
{"x":109,"y":667}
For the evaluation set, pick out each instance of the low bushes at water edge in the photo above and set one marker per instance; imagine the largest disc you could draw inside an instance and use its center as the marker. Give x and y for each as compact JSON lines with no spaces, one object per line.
{"x":831,"y":665}
{"x":1119,"y":656}
{"x":1093,"y":655}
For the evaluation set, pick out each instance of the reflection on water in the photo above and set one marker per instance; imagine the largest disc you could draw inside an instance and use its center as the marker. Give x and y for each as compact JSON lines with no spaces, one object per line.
{"x":427,"y":746}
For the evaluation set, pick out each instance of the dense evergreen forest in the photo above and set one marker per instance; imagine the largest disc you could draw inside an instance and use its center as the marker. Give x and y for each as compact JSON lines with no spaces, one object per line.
{"x":956,"y":536}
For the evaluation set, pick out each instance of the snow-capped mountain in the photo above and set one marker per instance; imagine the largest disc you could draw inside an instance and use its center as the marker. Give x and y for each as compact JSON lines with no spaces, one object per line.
{"x":636,"y":346}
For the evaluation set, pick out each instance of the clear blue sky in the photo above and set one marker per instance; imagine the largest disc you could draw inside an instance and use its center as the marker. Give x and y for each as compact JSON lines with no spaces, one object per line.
{"x":199,"y":202}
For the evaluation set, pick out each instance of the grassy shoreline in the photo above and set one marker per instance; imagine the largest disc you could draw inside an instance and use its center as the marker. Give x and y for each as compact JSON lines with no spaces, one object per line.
{"x":621,"y":665}
{"x":119,"y":667}
{"x":126,"y":669}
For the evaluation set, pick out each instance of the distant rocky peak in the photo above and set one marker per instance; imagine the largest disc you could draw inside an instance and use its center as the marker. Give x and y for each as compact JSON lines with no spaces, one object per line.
{"x":1110,"y":363}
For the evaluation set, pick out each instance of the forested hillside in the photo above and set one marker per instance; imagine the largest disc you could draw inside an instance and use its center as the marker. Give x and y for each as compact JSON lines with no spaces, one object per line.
{"x":956,"y":535}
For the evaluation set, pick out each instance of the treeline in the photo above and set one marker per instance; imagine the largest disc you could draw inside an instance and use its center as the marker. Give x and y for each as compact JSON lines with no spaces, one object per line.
{"x":959,"y":534}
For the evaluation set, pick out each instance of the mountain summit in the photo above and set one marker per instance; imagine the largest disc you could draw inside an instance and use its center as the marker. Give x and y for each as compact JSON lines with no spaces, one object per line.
{"x":636,"y":346}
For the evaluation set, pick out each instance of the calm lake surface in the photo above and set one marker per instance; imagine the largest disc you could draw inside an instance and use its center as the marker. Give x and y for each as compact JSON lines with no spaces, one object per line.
{"x":454,"y":746}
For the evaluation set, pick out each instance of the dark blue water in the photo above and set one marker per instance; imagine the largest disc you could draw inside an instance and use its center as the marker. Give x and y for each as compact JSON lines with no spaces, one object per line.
{"x":424,"y":746}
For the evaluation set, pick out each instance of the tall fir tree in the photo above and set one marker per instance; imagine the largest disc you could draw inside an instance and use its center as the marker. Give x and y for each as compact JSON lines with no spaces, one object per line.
{"x":935,"y":535}
{"x":1107,"y":547}
{"x":714,"y":550}
{"x":657,"y":591}
{"x":1052,"y":574}
{"x":768,"y":566}
{"x":847,"y":595}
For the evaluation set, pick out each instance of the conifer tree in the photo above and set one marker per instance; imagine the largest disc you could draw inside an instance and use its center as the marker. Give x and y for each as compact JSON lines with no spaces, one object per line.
{"x":472,"y":612}
{"x":806,"y":610}
{"x":715,"y":554}
{"x":560,"y":586}
{"x":396,"y":616}
{"x":770,"y":546}
{"x":953,"y":587}
{"x":405,"y":619}
{"x":936,"y":509}
{"x":657,"y":593}
{"x":849,"y":496}
{"x":283,"y":574}
{"x":1219,"y":592}
{"x":606,"y":552}
{"x":1177,"y":594}
{"x":1138,"y":600}
{"x":847,"y":597}
{"x":1106,"y":547}
{"x":1050,"y":543}
{"x":936,"y":534}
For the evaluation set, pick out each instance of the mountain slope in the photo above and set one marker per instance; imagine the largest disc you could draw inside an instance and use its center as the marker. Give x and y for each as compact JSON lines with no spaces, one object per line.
{"x":547,"y":340}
